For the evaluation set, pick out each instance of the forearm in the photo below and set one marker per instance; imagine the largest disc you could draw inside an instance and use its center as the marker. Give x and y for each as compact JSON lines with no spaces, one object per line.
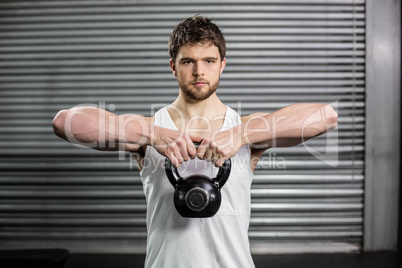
{"x":290,"y":125}
{"x":100,"y":129}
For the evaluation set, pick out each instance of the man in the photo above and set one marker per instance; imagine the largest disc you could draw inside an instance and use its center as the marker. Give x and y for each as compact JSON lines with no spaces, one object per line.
{"x":197,"y":49}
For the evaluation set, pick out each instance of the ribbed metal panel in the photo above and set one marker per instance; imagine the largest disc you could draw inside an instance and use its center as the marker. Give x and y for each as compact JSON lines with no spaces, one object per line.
{"x":58,"y":54}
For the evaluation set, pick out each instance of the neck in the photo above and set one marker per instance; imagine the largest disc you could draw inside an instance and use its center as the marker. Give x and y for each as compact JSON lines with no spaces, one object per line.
{"x":208,"y":108}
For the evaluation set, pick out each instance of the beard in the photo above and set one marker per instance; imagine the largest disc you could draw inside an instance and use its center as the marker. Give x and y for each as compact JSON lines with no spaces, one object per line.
{"x":198,"y":94}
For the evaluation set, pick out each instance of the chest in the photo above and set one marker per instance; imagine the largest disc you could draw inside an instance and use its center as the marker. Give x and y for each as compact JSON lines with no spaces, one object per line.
{"x":200,"y":126}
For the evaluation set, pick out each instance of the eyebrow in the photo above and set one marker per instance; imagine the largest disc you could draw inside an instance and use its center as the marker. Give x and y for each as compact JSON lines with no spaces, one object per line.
{"x":191,"y":59}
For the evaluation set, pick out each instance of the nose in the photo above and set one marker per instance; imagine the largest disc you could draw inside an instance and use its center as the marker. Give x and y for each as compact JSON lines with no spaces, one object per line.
{"x":198,"y":69}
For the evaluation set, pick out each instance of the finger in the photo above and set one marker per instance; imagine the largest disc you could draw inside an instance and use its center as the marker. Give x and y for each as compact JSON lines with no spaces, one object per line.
{"x":220,"y":153}
{"x":191,"y":150}
{"x":215,"y":160}
{"x":202,"y":148}
{"x":210,"y":153}
{"x":215,"y":156}
{"x":173,"y":159}
{"x":182,"y":146}
{"x":175,"y":155}
{"x":220,"y":162}
{"x":221,"y":157}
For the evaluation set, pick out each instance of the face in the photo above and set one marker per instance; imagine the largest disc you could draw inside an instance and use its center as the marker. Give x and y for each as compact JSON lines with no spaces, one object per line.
{"x":198,"y":69}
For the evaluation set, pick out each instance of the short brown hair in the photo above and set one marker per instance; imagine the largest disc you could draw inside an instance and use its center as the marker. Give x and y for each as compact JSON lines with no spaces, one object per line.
{"x":194,"y":30}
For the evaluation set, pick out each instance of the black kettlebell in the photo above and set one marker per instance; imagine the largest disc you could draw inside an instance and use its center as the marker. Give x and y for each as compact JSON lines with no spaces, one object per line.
{"x":197,"y":196}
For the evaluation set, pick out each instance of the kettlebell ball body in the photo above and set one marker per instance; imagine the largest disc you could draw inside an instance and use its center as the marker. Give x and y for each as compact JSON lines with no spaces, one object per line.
{"x":197,"y":196}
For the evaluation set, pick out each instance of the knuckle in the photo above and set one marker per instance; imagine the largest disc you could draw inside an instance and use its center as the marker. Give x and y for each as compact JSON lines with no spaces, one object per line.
{"x":205,"y":142}
{"x":172,"y":146}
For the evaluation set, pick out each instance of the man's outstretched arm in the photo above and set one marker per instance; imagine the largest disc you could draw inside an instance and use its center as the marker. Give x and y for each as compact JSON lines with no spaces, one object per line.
{"x":102,"y":130}
{"x":99,"y":129}
{"x":286,"y":127}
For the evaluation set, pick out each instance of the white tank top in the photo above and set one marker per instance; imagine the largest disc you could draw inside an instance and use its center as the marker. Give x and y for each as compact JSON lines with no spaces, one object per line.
{"x":178,"y":242}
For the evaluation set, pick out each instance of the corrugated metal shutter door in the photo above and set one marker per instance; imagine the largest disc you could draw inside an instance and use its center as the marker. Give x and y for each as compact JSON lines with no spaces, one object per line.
{"x":57,"y":54}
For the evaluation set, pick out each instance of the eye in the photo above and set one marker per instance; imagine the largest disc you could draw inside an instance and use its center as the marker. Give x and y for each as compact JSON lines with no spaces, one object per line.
{"x":210,"y":61}
{"x":187,"y":62}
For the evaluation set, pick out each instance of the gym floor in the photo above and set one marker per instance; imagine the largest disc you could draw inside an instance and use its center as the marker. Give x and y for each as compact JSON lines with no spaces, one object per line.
{"x":364,"y":260}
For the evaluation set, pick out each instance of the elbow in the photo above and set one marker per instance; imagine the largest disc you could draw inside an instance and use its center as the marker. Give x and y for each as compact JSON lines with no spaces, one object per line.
{"x":58,"y":123}
{"x":331,"y":117}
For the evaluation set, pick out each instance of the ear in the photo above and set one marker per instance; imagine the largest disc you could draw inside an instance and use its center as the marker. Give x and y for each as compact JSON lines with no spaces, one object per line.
{"x":223,"y":64}
{"x":173,"y":67}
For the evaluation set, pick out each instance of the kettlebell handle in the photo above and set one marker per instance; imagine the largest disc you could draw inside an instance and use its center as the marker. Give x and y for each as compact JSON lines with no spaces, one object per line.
{"x":219,"y":180}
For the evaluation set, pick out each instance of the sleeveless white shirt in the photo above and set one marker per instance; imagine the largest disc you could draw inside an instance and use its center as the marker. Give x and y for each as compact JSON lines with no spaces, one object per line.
{"x":216,"y":242}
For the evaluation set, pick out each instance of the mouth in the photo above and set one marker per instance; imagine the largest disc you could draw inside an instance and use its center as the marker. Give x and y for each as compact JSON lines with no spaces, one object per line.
{"x":199,"y":83}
